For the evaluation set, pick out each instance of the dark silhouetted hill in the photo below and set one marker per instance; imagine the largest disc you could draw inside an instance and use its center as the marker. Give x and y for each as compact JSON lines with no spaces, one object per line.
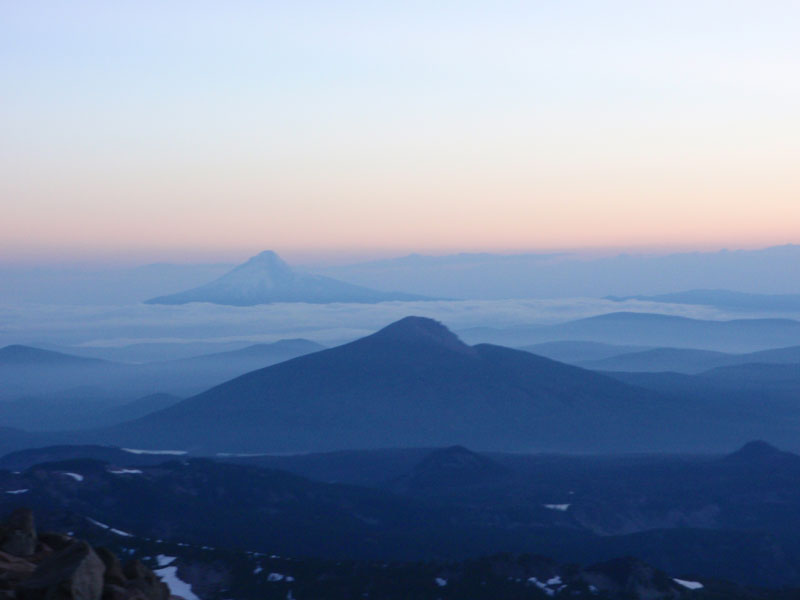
{"x":414,"y":383}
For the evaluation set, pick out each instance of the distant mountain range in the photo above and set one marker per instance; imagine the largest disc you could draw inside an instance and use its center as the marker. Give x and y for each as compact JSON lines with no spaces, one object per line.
{"x":77,"y":409}
{"x":44,"y":390}
{"x":762,"y":392}
{"x":683,"y":360}
{"x":12,"y":439}
{"x":211,"y":369}
{"x":775,"y":270}
{"x":651,"y":330}
{"x":266,"y":279}
{"x":100,"y":285}
{"x":575,"y":352}
{"x":17,"y":355}
{"x":414,"y":383}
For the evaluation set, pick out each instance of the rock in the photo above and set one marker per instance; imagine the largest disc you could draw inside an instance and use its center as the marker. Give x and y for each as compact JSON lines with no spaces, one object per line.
{"x":630,"y":577}
{"x":114,"y":574}
{"x":74,"y":573}
{"x":114,"y":592}
{"x":14,"y":569}
{"x":118,"y":592}
{"x":56,"y":541}
{"x":18,"y":535}
{"x":142,"y":579}
{"x":54,"y":566}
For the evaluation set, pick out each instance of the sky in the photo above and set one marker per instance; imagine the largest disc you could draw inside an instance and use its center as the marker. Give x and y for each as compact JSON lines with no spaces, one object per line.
{"x":207,"y":130}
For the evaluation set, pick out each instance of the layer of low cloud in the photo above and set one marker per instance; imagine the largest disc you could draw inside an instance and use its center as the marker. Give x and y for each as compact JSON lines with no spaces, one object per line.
{"x":115,"y":326}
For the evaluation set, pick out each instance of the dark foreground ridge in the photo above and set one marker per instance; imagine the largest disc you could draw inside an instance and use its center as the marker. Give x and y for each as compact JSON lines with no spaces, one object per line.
{"x":425,"y":514}
{"x":55,"y":566}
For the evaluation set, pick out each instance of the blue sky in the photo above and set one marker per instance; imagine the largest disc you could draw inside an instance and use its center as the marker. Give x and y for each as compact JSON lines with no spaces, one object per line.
{"x":196,"y":129}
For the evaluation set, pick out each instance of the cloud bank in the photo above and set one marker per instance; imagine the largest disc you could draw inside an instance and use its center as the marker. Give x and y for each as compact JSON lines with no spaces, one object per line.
{"x":113,"y":326}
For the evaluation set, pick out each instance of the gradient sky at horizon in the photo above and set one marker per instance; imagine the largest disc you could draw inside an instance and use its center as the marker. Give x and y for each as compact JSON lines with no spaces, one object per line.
{"x":204,"y":129}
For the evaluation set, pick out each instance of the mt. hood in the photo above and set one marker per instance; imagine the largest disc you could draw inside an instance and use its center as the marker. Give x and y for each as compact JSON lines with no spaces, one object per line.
{"x":266,"y":278}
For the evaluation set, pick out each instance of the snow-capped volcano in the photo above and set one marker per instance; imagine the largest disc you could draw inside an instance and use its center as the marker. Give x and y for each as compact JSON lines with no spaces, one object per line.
{"x":266,"y":278}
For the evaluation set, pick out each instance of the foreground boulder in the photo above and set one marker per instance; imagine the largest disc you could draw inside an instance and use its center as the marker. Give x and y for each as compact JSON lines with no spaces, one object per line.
{"x":18,"y":534}
{"x":53,"y":566}
{"x":142,"y":581}
{"x":74,"y":573}
{"x":631,"y":578}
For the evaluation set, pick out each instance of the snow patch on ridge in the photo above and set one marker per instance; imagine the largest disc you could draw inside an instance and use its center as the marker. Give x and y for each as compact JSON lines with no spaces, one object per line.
{"x":177,"y":586}
{"x":691,"y":585}
{"x":109,"y":528}
{"x":171,"y":452}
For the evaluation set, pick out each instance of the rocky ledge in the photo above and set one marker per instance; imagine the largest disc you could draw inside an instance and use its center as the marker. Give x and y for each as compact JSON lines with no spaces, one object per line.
{"x":54,"y":566}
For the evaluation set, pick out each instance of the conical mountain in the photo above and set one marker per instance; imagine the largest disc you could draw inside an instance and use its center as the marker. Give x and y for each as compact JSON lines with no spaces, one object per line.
{"x":266,"y":278}
{"x":451,"y":467}
{"x":413,"y":383}
{"x":763,"y":455}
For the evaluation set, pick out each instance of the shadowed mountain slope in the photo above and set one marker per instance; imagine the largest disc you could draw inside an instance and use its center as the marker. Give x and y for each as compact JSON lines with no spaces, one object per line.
{"x":42,"y":382}
{"x":414,"y":383}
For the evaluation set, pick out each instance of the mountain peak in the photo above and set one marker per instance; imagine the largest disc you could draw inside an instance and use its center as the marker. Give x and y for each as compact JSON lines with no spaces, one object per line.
{"x":449,"y":467}
{"x":269,"y":260}
{"x":266,"y":278}
{"x":457,"y":458}
{"x":422,"y":330}
{"x":758,"y":451}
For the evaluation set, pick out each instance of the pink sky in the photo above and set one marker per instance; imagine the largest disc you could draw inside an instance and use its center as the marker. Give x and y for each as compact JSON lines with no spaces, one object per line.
{"x":177,"y":132}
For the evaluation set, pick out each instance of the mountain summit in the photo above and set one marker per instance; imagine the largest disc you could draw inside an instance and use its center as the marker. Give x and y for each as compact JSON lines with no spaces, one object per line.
{"x":269,"y":263}
{"x":422,"y":331}
{"x":450,"y":467}
{"x":413,"y":383}
{"x":266,"y":278}
{"x":760,"y":453}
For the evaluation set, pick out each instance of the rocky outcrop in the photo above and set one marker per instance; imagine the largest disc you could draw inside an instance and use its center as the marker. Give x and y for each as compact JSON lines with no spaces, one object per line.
{"x":18,"y":534}
{"x":142,"y":581}
{"x":75,"y":572}
{"x":52,"y":566}
{"x":631,"y":578}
